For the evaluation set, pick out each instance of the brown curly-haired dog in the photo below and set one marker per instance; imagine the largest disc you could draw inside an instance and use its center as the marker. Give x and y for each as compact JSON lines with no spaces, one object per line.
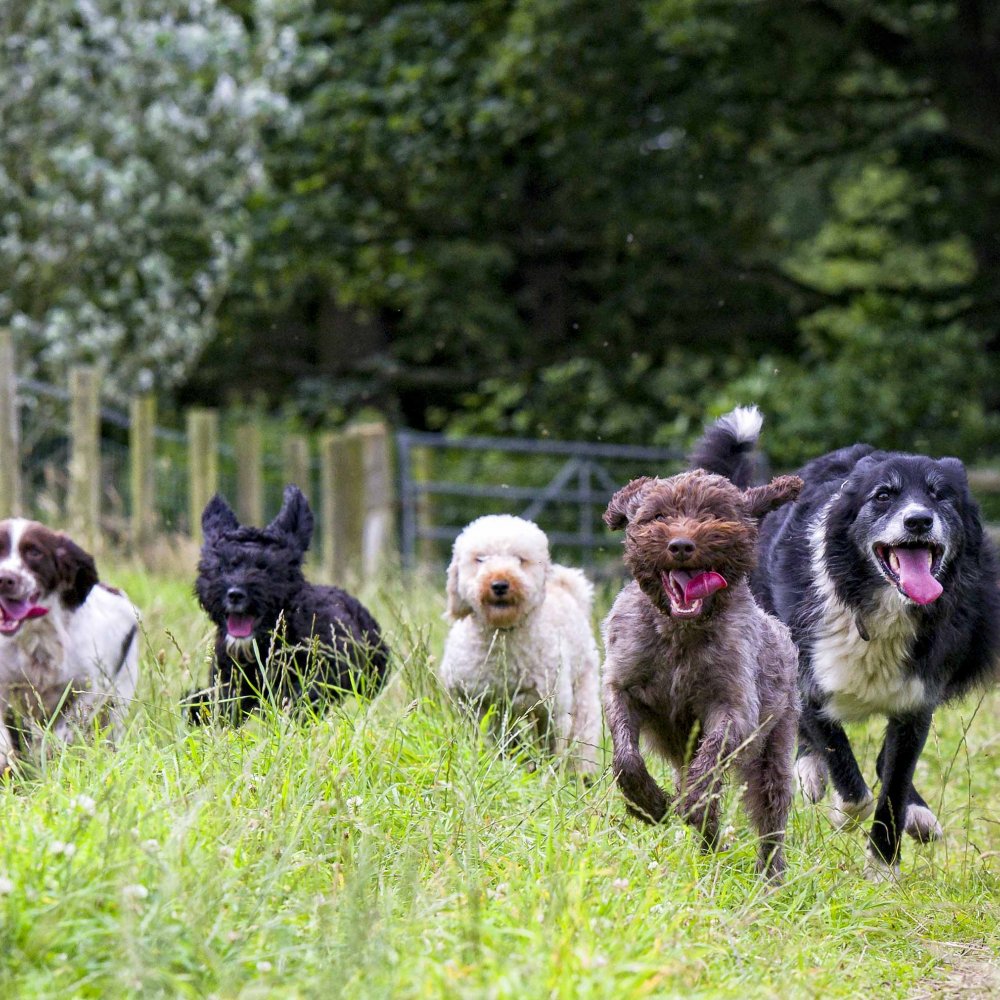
{"x":692,"y":663}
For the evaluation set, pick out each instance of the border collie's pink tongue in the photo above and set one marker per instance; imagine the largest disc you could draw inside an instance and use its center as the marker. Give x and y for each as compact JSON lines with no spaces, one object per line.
{"x":702,"y":585}
{"x":239,"y":626}
{"x":913,"y":567}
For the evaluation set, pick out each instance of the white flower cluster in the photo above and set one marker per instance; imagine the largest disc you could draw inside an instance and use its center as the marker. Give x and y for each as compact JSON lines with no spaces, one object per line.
{"x":131,"y":146}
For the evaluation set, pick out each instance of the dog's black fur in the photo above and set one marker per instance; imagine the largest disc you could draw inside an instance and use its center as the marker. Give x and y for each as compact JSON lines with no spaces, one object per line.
{"x":307,"y":644}
{"x":889,"y":585}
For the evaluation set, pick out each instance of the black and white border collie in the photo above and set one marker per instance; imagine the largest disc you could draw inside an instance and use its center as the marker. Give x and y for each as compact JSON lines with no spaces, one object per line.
{"x":69,"y":650}
{"x":885,"y":577}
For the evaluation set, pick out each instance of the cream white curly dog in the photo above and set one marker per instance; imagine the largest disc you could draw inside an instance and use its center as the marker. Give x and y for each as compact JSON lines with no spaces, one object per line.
{"x":521,"y":640}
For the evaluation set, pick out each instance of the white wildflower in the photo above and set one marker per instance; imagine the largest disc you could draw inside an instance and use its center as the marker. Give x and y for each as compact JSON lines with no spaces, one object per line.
{"x":84,"y":804}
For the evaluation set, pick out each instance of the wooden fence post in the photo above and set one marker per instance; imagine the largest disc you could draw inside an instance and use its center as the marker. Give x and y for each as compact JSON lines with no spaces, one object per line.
{"x":84,"y":493}
{"x":10,"y":429}
{"x":295,"y":465}
{"x":203,"y":463}
{"x":342,"y":505}
{"x":377,"y":502}
{"x":249,"y":475}
{"x":142,"y":468}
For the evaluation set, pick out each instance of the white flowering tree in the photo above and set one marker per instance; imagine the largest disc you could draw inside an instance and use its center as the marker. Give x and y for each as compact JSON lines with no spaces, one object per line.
{"x":129,"y":152}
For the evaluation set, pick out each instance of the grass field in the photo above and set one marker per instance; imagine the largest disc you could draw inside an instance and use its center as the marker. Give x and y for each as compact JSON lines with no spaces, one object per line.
{"x":388,"y":851}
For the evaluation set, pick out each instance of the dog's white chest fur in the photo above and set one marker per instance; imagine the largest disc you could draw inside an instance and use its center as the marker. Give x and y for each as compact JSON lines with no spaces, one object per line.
{"x":861,"y":677}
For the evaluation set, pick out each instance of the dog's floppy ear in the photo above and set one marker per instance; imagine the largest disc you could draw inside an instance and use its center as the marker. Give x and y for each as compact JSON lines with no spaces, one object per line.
{"x":456,"y":607}
{"x":759,"y":500}
{"x":217,"y":517}
{"x":955,"y":468}
{"x":295,"y":517}
{"x":77,"y":572}
{"x":625,"y":502}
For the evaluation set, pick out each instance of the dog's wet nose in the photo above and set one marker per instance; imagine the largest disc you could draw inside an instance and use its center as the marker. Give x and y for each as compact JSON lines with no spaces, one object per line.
{"x":8,"y":583}
{"x":236,"y":596}
{"x":681,"y":548}
{"x":919,"y":521}
{"x":499,"y":587}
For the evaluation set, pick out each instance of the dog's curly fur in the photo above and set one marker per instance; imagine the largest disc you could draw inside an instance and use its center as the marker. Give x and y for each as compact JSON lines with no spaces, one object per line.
{"x":708,"y":682}
{"x":521,"y":642}
{"x":279,"y":637}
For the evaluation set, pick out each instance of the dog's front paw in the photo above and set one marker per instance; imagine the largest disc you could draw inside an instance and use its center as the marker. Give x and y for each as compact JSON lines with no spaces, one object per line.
{"x":702,"y":815}
{"x":922,"y":825}
{"x":879,"y":870}
{"x":811,"y":774}
{"x":643,"y":797}
{"x":844,"y":814}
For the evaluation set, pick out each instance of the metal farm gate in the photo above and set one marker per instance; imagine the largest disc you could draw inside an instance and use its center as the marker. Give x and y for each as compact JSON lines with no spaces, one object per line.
{"x":564,"y":486}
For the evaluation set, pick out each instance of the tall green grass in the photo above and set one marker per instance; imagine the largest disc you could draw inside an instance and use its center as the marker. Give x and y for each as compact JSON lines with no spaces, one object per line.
{"x":389,"y":850}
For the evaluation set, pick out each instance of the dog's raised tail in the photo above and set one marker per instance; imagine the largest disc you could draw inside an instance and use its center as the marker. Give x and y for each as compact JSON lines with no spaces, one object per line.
{"x":728,"y":447}
{"x":575,"y":583}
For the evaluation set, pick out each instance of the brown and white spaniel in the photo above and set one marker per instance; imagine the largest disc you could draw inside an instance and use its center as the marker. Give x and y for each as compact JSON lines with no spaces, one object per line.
{"x":69,"y":651}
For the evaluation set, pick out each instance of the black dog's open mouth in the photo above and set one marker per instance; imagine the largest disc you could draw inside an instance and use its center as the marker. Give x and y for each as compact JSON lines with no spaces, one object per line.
{"x":239,"y":626}
{"x":687,"y":590}
{"x":912,"y":569}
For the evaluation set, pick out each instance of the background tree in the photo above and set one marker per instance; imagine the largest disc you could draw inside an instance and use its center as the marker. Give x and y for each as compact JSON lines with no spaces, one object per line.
{"x":130,"y":149}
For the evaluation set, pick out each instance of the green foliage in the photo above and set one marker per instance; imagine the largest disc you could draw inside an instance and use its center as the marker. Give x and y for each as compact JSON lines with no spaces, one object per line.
{"x":130,"y":148}
{"x":562,"y":216}
{"x":890,"y":359}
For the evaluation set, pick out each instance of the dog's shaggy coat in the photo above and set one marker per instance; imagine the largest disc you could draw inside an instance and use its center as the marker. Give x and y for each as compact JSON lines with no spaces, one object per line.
{"x":692,"y":664}
{"x":889,"y":585}
{"x":521,"y":644}
{"x":69,"y":650}
{"x":278,"y":637}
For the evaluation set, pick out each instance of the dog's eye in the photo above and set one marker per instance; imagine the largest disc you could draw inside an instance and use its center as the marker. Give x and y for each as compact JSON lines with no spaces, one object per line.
{"x":32,"y":552}
{"x":882,"y":496}
{"x":480,"y":559}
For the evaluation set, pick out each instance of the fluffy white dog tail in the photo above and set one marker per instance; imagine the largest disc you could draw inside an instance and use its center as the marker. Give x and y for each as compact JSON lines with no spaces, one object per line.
{"x":575,"y":583}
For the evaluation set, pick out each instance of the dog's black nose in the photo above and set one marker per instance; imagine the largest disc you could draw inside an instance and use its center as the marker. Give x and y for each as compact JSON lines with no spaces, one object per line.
{"x":919,"y":521}
{"x":8,"y":583}
{"x":236,"y":596}
{"x":681,"y":548}
{"x":499,"y":587}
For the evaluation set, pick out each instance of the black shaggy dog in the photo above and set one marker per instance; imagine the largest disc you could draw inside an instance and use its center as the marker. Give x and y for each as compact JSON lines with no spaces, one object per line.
{"x":883,"y":574}
{"x":279,"y":638}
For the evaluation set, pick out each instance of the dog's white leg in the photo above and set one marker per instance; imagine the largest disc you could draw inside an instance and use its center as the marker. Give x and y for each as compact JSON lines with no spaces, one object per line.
{"x":6,"y":745}
{"x":879,"y":870}
{"x":844,"y":814}
{"x":810,"y":775}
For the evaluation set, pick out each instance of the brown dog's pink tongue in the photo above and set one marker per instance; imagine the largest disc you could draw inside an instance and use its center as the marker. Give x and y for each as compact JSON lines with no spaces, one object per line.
{"x":702,"y":585}
{"x":915,"y":575}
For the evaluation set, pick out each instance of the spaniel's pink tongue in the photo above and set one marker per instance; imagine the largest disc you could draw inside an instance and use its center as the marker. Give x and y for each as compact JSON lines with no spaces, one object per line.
{"x":913,"y":567}
{"x":20,"y":610}
{"x":239,"y":626}
{"x":702,"y":585}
